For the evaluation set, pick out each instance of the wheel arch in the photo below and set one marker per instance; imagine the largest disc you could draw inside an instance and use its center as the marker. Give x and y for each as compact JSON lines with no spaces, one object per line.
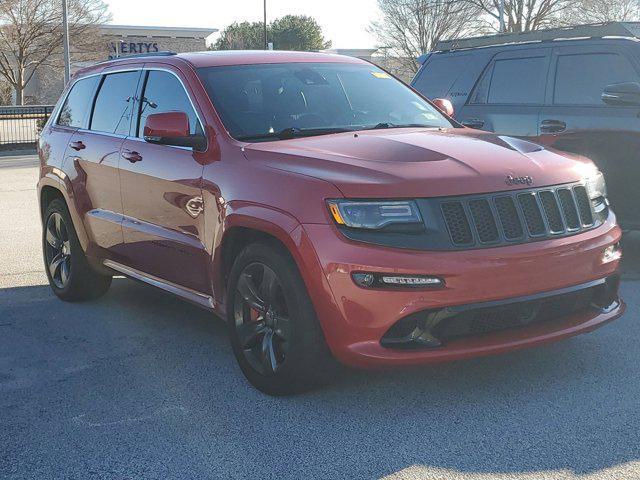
{"x":250,"y":224}
{"x":50,"y":189}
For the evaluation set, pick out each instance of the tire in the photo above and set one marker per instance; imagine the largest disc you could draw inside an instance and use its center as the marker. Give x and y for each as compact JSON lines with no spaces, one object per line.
{"x":298,"y":358}
{"x":71,"y":278}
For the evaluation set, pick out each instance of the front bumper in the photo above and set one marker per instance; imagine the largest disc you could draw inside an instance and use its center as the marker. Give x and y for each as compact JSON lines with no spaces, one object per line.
{"x":355,"y":319}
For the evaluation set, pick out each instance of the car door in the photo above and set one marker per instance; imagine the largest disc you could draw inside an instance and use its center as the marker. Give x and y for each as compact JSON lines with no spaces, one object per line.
{"x":72,"y":115}
{"x":508,"y":97}
{"x":162,"y":190}
{"x":576,"y":119}
{"x":93,"y":156}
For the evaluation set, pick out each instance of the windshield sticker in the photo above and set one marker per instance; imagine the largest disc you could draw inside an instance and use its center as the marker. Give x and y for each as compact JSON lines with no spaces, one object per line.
{"x":380,"y":74}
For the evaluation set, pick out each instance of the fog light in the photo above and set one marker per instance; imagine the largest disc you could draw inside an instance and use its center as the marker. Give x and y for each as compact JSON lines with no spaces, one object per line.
{"x":612,"y":253}
{"x":363,"y":279}
{"x":379,"y":280}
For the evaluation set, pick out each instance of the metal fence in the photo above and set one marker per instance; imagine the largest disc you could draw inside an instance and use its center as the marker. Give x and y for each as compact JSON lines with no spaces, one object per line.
{"x":20,"y":126}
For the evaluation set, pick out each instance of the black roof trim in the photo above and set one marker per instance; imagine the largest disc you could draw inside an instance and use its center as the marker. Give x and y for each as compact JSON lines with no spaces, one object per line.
{"x":596,"y":30}
{"x":162,"y":53}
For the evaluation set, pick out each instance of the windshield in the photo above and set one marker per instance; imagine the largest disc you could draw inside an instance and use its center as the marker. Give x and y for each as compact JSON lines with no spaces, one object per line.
{"x":274,"y":101}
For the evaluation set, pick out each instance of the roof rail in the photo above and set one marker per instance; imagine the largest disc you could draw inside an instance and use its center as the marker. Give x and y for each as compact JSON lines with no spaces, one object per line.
{"x":161,"y":53}
{"x":595,"y":30}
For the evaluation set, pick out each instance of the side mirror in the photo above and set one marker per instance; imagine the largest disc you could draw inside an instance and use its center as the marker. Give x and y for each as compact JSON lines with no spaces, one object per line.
{"x":172,"y":128}
{"x":626,"y":93}
{"x":444,"y":105}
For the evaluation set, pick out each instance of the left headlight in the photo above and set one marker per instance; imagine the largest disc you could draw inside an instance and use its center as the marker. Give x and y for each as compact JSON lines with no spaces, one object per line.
{"x":596,"y":186}
{"x":374,"y":215}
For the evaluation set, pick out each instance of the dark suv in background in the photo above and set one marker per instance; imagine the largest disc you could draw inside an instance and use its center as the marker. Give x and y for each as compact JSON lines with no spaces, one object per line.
{"x":575,"y":89}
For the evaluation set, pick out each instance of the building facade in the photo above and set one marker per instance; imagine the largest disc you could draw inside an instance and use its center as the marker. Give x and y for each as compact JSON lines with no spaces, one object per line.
{"x":116,"y":41}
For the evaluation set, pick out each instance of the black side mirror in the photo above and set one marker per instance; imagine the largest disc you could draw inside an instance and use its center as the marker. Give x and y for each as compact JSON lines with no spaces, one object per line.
{"x":626,"y":93}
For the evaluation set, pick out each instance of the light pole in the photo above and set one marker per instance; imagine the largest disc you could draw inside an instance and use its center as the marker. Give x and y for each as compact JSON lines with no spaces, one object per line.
{"x":264,"y":26}
{"x":501,"y":14}
{"x":65,"y":43}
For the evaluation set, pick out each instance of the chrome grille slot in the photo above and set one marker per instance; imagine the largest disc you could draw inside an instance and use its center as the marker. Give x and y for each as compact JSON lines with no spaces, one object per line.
{"x":532,"y":214}
{"x":569,"y":209}
{"x":457,"y":223}
{"x":552,"y":211}
{"x":584,"y":205}
{"x":509,"y":218}
{"x":484,"y":221}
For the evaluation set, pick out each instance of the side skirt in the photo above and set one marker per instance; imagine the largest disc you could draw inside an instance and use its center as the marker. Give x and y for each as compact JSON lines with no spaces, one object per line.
{"x":192,"y":296}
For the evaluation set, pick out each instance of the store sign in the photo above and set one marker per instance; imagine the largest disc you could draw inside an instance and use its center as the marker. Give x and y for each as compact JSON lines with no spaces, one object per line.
{"x":123,"y":48}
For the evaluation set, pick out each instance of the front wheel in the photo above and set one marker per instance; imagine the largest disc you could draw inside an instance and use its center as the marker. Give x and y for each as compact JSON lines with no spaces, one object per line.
{"x":274,"y":332}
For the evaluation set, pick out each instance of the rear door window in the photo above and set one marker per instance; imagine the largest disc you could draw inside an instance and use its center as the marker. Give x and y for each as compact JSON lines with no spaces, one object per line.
{"x":513,"y":81}
{"x":581,"y":78}
{"x":114,"y":103}
{"x":163,"y":92}
{"x":77,"y":104}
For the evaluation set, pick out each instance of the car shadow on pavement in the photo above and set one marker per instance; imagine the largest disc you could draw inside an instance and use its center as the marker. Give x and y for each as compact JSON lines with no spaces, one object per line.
{"x":141,"y":385}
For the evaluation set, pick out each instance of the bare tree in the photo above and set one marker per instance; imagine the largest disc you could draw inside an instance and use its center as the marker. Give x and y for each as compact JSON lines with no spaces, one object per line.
{"x":525,"y":15}
{"x":5,"y":92}
{"x":596,"y":11}
{"x":31,"y":35}
{"x":409,"y":28}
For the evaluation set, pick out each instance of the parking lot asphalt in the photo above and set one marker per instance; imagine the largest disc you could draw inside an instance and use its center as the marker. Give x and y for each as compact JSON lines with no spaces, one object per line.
{"x":142,"y":385}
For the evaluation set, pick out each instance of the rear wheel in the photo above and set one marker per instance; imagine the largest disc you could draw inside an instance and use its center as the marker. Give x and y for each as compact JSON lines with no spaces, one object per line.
{"x":70,"y":276}
{"x":274,"y":332}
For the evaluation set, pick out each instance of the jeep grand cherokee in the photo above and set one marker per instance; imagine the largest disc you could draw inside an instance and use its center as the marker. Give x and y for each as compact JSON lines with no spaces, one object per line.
{"x":324,"y":209}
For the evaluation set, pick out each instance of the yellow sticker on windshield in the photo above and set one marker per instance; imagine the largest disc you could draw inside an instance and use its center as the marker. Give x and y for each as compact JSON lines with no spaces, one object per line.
{"x":380,"y":74}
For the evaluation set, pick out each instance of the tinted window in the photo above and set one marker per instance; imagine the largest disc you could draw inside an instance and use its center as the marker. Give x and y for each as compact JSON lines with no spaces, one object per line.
{"x":580,"y":79}
{"x":440,"y":74}
{"x":513,"y":81}
{"x":258,"y":100}
{"x":164,"y":93}
{"x":74,"y":110}
{"x":114,"y":103}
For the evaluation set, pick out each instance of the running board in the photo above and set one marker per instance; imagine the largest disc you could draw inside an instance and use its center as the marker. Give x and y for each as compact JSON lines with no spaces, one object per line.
{"x":192,"y":296}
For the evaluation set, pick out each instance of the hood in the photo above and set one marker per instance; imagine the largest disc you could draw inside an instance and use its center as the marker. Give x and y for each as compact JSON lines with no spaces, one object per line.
{"x":421,"y":162}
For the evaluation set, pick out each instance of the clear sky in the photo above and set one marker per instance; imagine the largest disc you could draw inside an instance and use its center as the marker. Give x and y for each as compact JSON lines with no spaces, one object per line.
{"x":344,"y":22}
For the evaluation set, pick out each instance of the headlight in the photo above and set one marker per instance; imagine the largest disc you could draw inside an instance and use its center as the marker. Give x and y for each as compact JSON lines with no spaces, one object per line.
{"x":374,"y":214}
{"x":596,"y":187}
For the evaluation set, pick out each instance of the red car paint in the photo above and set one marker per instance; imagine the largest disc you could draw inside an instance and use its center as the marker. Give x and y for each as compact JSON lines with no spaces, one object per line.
{"x":169,"y":214}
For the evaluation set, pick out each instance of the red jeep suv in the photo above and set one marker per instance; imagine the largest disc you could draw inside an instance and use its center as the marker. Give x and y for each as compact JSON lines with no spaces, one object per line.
{"x":322,"y":207}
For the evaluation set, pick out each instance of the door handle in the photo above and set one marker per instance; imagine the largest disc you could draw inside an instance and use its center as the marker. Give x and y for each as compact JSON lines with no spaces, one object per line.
{"x":473,"y":123}
{"x":133,"y":157}
{"x":552,"y":126}
{"x":77,"y":145}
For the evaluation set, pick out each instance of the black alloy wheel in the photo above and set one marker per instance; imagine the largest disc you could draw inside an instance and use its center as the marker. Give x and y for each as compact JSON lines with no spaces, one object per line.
{"x":262,"y":318}
{"x":58,"y":250}
{"x":274,"y":331}
{"x":69,"y":272}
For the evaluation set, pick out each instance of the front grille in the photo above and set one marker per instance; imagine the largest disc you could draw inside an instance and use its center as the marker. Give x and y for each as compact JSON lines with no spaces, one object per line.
{"x":517,"y":217}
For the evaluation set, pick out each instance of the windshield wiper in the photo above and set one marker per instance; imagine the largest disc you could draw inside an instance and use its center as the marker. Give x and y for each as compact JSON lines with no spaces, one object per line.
{"x":294,"y":132}
{"x":382,"y":125}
